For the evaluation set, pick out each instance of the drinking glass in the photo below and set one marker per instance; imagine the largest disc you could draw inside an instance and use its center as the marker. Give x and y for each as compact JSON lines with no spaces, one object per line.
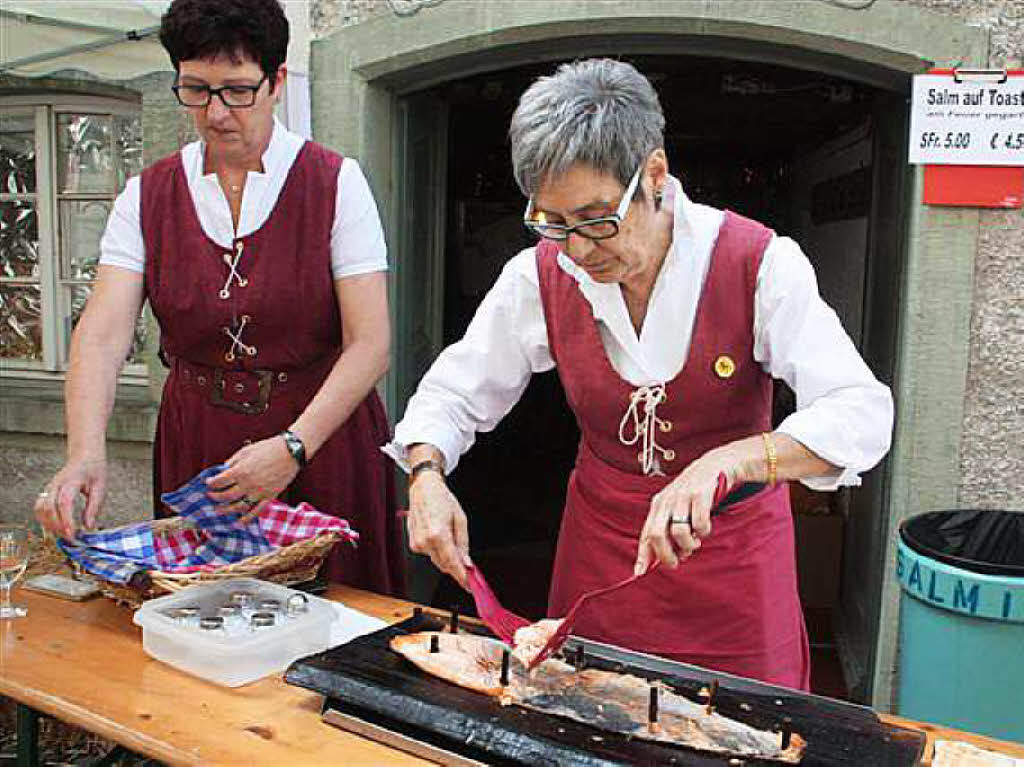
{"x":13,"y":561}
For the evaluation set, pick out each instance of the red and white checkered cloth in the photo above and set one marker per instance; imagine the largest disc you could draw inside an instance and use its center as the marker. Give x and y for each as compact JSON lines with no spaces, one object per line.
{"x":283,"y":525}
{"x":278,"y":524}
{"x":211,"y":539}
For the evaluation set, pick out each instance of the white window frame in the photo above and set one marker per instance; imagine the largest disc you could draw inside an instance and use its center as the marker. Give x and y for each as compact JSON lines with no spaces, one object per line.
{"x":53,"y":297}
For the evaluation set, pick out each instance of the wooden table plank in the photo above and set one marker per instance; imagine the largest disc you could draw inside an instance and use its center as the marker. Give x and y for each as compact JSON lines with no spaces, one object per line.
{"x":937,"y":732}
{"x":84,"y":664}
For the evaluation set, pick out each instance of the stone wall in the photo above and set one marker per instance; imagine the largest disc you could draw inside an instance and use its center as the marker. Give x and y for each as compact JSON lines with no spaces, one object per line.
{"x":329,"y":15}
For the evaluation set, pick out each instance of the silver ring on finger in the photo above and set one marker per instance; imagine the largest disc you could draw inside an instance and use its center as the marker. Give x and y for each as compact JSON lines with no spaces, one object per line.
{"x":44,"y":495}
{"x":678,"y":521}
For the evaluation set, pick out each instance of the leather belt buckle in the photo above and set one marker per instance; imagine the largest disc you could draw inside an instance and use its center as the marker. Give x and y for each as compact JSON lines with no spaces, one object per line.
{"x":248,"y":407}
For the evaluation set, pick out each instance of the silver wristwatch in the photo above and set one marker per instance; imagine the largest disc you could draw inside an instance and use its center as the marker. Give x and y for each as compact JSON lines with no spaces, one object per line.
{"x":295,"y":447}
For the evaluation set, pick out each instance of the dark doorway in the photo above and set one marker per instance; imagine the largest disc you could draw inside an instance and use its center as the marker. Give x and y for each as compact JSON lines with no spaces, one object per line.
{"x":791,"y":148}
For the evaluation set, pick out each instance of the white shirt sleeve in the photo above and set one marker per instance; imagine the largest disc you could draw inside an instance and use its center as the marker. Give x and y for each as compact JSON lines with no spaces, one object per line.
{"x":122,"y":244}
{"x":357,"y":239}
{"x":475,"y":382}
{"x":844,"y":414}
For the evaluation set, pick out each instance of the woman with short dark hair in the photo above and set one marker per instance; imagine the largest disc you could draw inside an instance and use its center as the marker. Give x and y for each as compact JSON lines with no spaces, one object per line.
{"x":264,"y":262}
{"x":666,"y":321}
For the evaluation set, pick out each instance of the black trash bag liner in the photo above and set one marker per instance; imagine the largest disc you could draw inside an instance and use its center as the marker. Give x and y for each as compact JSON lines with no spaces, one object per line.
{"x":979,"y":540}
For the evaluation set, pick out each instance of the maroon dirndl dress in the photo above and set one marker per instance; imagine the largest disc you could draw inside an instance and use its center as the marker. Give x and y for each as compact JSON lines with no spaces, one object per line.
{"x":248,"y":349}
{"x":733,"y":605}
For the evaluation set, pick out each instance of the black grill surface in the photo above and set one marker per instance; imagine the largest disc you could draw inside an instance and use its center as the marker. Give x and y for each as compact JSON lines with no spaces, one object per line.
{"x":367,"y":679}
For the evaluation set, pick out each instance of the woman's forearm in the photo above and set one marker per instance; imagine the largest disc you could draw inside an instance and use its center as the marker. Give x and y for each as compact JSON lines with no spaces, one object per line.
{"x":365,"y":350}
{"x":792,"y":460}
{"x":99,"y":347}
{"x":89,"y":393}
{"x":358,"y":369}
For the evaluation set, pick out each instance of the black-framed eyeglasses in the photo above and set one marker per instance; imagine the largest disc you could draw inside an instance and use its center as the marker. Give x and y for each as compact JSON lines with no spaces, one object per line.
{"x":593,"y":228}
{"x":231,"y":96}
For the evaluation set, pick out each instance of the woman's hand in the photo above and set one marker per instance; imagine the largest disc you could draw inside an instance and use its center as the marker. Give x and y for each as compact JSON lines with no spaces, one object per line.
{"x":437,"y":526}
{"x":256,"y":475}
{"x":55,"y":506}
{"x":680,"y":514}
{"x":690,"y":495}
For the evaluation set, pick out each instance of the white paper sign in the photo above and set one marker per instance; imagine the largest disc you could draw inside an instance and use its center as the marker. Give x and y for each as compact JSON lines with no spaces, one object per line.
{"x":971,"y":122}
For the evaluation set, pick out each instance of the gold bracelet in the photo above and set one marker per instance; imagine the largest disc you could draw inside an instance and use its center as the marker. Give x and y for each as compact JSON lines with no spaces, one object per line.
{"x":772,"y":458}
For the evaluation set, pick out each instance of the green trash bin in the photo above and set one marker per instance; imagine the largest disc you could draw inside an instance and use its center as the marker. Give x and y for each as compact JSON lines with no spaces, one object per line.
{"x":961,"y":654}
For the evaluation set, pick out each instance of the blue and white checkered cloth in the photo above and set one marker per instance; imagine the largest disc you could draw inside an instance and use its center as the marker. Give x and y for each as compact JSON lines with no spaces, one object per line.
{"x":119,"y":553}
{"x":227,"y":541}
{"x":115,"y":554}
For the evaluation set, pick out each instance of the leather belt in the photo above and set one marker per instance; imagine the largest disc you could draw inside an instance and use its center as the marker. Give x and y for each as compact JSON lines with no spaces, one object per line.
{"x":243,"y":391}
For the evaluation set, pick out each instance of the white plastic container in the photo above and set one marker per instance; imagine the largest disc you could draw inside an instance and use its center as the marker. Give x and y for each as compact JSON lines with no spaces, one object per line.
{"x":243,"y":655}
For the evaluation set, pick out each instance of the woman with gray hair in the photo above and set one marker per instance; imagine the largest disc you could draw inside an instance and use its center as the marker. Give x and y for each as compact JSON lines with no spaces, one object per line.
{"x":666,"y":321}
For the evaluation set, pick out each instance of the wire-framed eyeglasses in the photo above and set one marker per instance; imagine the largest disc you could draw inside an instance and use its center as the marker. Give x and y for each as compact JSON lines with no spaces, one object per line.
{"x":593,"y":228}
{"x":231,"y":96}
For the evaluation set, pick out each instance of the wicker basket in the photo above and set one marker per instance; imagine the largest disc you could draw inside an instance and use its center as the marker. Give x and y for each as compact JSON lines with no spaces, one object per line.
{"x":287,"y":565}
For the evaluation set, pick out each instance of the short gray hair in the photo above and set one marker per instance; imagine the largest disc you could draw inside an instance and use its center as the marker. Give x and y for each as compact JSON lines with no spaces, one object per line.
{"x":600,"y":112}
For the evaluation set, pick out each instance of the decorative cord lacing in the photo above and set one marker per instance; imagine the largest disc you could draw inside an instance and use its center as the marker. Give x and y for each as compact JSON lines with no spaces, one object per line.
{"x":646,"y":425}
{"x":236,"y":340}
{"x":233,"y":273}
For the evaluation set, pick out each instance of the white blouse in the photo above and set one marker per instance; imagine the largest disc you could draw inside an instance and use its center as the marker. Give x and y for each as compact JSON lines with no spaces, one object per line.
{"x":844,"y":414}
{"x":357,"y":239}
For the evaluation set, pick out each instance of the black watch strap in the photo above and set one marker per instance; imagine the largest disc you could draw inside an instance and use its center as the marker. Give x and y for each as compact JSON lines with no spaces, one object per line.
{"x":295,"y":447}
{"x":428,"y":464}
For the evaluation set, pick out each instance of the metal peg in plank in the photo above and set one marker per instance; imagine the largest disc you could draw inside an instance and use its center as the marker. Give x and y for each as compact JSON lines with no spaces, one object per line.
{"x":505,"y":655}
{"x":712,"y":692}
{"x":454,"y":624}
{"x":435,"y":643}
{"x":787,"y":732}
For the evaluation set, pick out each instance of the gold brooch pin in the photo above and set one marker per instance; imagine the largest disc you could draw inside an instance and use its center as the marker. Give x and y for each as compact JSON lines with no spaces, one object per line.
{"x":724,"y":366}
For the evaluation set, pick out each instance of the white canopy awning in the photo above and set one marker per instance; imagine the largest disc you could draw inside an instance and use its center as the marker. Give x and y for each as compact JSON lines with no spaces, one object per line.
{"x":117,"y":40}
{"x":111,"y":39}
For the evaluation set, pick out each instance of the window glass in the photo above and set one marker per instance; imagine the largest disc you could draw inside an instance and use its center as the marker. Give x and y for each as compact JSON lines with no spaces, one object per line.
{"x":90,"y":155}
{"x":17,"y":153}
{"x":21,"y":328}
{"x":81,"y":227}
{"x":19,"y":241}
{"x":98,"y":153}
{"x":85,"y":154}
{"x":128,"y":130}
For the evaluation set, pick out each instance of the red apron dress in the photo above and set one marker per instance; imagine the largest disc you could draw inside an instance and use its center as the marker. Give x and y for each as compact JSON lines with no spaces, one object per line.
{"x":733,"y":605}
{"x":250,"y":335}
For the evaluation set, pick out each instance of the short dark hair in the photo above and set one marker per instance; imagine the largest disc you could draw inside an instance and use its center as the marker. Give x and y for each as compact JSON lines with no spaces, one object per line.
{"x":202,"y":29}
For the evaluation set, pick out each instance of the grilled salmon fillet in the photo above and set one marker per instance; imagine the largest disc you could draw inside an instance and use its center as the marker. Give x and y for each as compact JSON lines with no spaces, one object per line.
{"x":604,"y":699}
{"x":530,"y":640}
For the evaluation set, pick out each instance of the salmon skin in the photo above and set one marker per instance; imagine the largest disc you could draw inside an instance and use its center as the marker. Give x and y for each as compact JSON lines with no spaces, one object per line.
{"x":610,"y":701}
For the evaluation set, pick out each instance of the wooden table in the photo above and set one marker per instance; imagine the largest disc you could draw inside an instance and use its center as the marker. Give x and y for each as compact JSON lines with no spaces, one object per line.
{"x":83,"y":663}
